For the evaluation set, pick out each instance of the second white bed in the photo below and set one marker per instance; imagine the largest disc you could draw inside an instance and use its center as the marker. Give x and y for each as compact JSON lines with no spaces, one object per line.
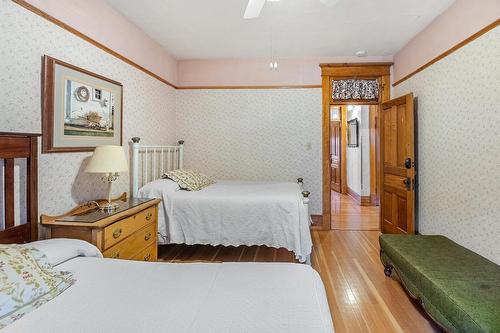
{"x":233,"y":213}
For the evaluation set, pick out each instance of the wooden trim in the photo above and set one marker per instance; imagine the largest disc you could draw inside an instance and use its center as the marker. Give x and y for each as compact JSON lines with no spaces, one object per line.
{"x":92,"y":41}
{"x":343,"y":150}
{"x":450,"y":51}
{"x":48,"y":86}
{"x":374,"y":147}
{"x":327,"y":195}
{"x":304,"y":86}
{"x":354,"y":102}
{"x":354,"y":64}
{"x":356,"y":71}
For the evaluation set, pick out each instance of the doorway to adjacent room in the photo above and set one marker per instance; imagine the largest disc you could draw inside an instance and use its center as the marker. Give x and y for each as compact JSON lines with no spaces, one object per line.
{"x":354,"y":196}
{"x":367,"y":86}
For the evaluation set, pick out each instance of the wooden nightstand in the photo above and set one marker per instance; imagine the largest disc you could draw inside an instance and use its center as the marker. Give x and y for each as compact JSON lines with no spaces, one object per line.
{"x":128,"y":233}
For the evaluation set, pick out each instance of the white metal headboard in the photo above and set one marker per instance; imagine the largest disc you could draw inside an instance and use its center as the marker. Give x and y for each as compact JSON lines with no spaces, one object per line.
{"x":150,"y":162}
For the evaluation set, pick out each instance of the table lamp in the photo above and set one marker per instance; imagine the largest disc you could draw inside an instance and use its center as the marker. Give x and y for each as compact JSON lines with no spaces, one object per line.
{"x":109,"y":160}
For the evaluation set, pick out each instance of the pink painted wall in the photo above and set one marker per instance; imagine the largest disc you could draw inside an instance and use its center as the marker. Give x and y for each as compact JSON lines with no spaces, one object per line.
{"x":461,"y":20}
{"x":255,"y":72}
{"x":99,"y":21}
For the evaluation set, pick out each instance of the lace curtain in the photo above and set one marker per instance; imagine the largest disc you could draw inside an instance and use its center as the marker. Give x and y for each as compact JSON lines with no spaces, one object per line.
{"x":355,"y":89}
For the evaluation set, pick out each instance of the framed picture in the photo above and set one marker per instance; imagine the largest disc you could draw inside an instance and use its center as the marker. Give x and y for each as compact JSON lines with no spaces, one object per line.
{"x":352,"y":133}
{"x":80,"y":109}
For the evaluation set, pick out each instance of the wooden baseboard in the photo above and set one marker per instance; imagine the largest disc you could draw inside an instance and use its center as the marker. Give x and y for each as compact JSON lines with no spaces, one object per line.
{"x":366,"y":201}
{"x":354,"y":195}
{"x":317,"y":223}
{"x":360,"y":200}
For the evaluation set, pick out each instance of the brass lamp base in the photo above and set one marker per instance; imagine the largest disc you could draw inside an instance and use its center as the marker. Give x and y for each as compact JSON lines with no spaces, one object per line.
{"x":109,"y":207}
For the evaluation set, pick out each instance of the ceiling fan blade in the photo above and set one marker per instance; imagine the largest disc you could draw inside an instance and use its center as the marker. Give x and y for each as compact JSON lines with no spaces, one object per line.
{"x":253,"y":8}
{"x":329,"y":3}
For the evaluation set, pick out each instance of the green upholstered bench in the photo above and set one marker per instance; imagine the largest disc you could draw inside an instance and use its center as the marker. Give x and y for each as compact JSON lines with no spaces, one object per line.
{"x":459,"y":289}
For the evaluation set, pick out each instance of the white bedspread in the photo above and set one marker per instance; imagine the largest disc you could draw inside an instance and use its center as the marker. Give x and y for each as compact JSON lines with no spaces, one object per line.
{"x":127,"y":296}
{"x":233,"y":213}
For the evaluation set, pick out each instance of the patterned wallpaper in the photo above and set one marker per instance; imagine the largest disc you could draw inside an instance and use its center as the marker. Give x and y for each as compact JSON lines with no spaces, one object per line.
{"x":272,"y":134}
{"x":459,"y":145}
{"x":149,"y":105}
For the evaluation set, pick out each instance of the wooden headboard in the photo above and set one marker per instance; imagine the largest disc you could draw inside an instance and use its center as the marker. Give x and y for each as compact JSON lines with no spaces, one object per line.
{"x":15,"y":146}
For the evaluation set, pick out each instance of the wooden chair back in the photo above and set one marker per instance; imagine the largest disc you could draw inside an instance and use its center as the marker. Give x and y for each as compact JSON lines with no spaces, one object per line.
{"x":18,"y":146}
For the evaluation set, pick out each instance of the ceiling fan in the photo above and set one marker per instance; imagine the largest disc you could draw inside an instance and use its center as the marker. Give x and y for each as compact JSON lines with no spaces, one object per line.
{"x":254,"y":7}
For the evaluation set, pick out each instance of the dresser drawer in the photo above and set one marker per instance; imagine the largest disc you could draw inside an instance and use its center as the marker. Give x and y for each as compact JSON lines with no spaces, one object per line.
{"x":133,"y":244}
{"x":148,"y":254}
{"x":126,"y":227}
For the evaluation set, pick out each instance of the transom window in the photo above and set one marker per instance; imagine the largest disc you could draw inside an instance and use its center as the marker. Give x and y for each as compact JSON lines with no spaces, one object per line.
{"x":357,"y":89}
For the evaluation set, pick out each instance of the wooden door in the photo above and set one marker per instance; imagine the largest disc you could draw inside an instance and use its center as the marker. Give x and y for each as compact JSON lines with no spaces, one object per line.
{"x":335,"y":130}
{"x":397,"y":147}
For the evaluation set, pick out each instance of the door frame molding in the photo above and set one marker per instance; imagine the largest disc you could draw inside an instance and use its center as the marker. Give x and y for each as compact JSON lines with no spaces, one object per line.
{"x":330,"y":71}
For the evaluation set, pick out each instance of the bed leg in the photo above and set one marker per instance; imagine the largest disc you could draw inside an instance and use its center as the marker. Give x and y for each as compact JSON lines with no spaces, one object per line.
{"x":135,"y":146}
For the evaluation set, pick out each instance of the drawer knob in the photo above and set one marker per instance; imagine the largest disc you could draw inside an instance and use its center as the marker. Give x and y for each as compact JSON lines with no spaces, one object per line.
{"x":117,"y":233}
{"x":116,"y":255}
{"x":147,"y":257}
{"x":147,"y":237}
{"x":149,"y":216}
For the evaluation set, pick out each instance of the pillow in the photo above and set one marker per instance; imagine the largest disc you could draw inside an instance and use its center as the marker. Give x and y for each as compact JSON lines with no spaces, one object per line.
{"x":166,"y":184}
{"x":189,"y":179}
{"x":59,"y":250}
{"x":27,"y":281}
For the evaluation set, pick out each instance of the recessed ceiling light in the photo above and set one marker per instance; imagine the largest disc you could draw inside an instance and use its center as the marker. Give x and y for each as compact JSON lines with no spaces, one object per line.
{"x":361,"y":53}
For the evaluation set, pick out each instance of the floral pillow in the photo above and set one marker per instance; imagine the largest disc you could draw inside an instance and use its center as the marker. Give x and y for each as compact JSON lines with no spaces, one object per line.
{"x":189,"y":179}
{"x":27,"y":281}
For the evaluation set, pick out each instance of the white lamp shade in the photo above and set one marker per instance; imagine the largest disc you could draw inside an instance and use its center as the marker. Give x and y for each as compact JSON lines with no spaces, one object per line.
{"x":107,"y":159}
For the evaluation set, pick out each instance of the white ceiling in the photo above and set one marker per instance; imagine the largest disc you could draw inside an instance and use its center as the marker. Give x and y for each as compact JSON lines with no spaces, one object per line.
{"x":208,"y":29}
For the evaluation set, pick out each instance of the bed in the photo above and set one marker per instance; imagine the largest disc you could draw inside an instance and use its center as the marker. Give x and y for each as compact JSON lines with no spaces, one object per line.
{"x":112,"y":295}
{"x":225,"y":213}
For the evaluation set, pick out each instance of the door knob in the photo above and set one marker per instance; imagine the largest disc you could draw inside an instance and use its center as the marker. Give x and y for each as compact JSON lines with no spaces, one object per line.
{"x":408,"y":183}
{"x":408,"y":163}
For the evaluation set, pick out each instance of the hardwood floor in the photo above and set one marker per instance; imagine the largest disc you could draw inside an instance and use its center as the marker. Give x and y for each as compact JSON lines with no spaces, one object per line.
{"x":347,"y":214}
{"x":207,"y":253}
{"x":361,"y":298}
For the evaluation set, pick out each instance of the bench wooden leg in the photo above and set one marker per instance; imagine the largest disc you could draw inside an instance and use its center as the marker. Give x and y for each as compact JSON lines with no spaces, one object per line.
{"x":388,"y":270}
